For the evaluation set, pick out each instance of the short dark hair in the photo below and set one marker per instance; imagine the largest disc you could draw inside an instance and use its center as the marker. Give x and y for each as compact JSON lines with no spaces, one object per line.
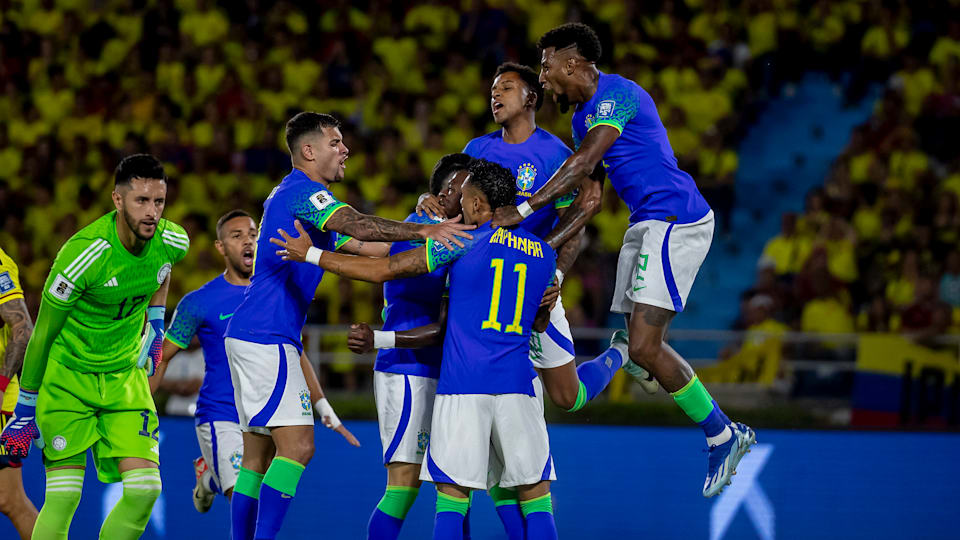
{"x":446,"y":165}
{"x":235,"y":213}
{"x":579,"y":34}
{"x":307,"y":122}
{"x":528,"y":75}
{"x":494,"y":181}
{"x":138,"y":166}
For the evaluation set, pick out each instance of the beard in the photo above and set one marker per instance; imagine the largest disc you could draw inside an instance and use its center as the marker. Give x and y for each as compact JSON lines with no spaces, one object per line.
{"x":563,"y":103}
{"x":135,"y":226}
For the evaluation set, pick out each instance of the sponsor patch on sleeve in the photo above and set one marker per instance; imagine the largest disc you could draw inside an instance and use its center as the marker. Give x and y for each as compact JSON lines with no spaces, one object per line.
{"x":322,"y":200}
{"x":605,"y":108}
{"x":61,"y":288}
{"x":6,"y":283}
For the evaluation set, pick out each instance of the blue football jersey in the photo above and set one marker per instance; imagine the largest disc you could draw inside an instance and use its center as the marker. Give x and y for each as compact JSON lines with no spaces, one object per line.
{"x":533,"y":162}
{"x":274,"y":306}
{"x":411,"y":303}
{"x":204,"y":313}
{"x":496,"y":283}
{"x":640,"y":163}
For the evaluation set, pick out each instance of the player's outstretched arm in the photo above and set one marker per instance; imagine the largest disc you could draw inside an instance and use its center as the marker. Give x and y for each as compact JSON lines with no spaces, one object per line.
{"x":376,"y":229}
{"x":327,"y":416}
{"x":572,"y":173}
{"x":584,"y":207}
{"x":375,"y":270}
{"x":366,"y":249}
{"x":361,"y":339}
{"x":15,"y":317}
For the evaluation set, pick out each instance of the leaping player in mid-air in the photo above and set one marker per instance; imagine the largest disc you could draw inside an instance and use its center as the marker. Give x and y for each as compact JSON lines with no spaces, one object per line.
{"x":204,"y":313}
{"x":615,"y":122}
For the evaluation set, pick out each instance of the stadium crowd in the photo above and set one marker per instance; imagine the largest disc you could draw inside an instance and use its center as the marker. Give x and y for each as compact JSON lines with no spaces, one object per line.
{"x":876,"y":247}
{"x":207,"y":86}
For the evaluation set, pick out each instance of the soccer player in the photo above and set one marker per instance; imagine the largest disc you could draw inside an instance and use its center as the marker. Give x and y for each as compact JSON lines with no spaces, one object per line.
{"x":263,"y":336}
{"x":486,"y":400}
{"x":616,"y":123}
{"x":204,"y":313}
{"x":405,"y":380}
{"x":14,"y":336}
{"x":84,"y":381}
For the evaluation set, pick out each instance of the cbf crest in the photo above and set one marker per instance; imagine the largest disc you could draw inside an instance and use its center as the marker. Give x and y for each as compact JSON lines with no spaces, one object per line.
{"x":526,"y":174}
{"x":305,"y":401}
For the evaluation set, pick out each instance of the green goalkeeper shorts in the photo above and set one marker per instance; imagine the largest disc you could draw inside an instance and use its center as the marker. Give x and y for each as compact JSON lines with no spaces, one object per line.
{"x":112,"y":413}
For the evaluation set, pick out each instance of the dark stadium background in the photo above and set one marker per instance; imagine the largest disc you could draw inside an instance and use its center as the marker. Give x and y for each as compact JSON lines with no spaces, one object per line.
{"x":823,"y":133}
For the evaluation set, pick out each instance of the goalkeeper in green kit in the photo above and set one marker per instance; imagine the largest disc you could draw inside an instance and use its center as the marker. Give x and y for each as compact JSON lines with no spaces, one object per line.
{"x":84,"y":383}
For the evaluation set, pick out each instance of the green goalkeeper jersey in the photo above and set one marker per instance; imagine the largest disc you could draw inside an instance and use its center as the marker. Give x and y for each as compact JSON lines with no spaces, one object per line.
{"x":106,"y":289}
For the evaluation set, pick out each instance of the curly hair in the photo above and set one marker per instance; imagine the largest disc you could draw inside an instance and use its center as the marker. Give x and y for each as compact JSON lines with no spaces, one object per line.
{"x":494,"y":181}
{"x":528,"y":75}
{"x":446,"y":165}
{"x":579,"y":34}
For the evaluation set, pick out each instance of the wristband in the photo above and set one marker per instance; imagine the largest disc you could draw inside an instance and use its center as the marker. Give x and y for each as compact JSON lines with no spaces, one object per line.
{"x":313,"y":255}
{"x":156,"y":313}
{"x":4,"y":382}
{"x":559,"y":277}
{"x":323,"y":408}
{"x":27,"y":398}
{"x":384,"y":339}
{"x":525,"y":209}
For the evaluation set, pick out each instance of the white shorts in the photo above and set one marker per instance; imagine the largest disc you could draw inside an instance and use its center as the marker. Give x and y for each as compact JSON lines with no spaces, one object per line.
{"x":221,"y":445}
{"x":268,"y":386}
{"x":404,"y":413}
{"x":554,"y":347}
{"x":479,"y":440}
{"x":658,"y":263}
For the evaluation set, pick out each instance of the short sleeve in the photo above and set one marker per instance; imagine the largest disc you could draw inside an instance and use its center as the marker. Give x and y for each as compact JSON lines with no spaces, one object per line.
{"x":186,"y":320}
{"x":315,"y":205}
{"x":340,"y":240}
{"x":175,"y":240}
{"x":566,"y":200}
{"x":472,"y":148}
{"x":615,"y":108}
{"x":438,"y":255}
{"x":71,"y":269}
{"x":9,"y":279}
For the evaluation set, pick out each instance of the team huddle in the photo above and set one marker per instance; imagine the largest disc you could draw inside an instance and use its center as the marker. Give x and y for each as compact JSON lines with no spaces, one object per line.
{"x":474,"y":332}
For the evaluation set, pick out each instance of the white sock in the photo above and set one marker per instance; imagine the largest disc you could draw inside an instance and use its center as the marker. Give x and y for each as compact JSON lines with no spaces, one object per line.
{"x":721,"y":437}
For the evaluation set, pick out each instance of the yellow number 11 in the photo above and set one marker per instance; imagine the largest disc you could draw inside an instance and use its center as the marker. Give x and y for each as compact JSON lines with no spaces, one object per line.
{"x":513,"y":328}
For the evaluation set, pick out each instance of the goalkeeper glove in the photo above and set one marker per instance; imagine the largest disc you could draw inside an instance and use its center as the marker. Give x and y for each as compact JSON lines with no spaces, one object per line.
{"x":22,"y":429}
{"x":151,"y":345}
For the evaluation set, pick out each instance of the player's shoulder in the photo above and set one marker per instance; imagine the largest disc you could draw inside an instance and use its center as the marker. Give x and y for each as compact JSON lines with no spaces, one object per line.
{"x":551,"y":140}
{"x":424,"y":219}
{"x":87,"y":244}
{"x":477,"y":145}
{"x":174,"y":237}
{"x":6,"y":262}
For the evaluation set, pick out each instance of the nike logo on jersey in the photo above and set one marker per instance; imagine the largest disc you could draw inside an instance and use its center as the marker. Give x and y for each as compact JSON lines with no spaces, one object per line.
{"x":112,"y":282}
{"x":225,"y":317}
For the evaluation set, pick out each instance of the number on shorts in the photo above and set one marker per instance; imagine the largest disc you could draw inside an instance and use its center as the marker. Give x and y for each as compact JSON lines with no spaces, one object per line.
{"x":146,"y":421}
{"x":491,"y":322}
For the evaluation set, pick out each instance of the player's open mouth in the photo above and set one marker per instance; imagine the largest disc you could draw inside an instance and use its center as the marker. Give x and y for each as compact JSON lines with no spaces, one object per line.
{"x":343,"y":163}
{"x":247,"y":257}
{"x":497,"y":106}
{"x":149,"y":224}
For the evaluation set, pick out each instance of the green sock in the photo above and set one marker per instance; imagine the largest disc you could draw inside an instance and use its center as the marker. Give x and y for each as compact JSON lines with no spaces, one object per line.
{"x":64,"y":487}
{"x":283,"y":475}
{"x":543,"y":503}
{"x":449,"y":503}
{"x":129,"y":517}
{"x":248,"y":483}
{"x":694,"y":399}
{"x":397,"y":500}
{"x":581,"y":398}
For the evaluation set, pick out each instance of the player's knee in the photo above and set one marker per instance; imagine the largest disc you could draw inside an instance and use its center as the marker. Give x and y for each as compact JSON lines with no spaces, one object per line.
{"x":8,"y":501}
{"x":644,"y":353}
{"x":143,"y":491}
{"x":300,"y":451}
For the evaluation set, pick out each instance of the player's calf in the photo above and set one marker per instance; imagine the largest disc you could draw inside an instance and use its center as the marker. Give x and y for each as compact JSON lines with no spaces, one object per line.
{"x":453,"y":502}
{"x":128,"y":519}
{"x":536,"y":503}
{"x":64,"y":487}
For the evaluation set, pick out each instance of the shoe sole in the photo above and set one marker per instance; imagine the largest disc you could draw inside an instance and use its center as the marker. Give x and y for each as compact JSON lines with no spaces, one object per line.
{"x":732,"y":470}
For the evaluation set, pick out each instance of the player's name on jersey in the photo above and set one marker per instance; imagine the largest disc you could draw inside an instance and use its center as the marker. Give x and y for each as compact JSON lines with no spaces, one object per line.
{"x":526,"y":245}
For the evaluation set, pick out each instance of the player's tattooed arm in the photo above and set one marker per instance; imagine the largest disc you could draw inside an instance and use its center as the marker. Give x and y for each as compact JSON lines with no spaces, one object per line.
{"x":366,"y":249}
{"x":372,"y":228}
{"x":573,"y":172}
{"x":15,"y":316}
{"x":584,"y":207}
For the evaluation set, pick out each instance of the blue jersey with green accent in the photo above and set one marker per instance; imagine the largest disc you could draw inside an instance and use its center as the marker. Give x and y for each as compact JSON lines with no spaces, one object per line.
{"x":640,"y":163}
{"x":205,"y":313}
{"x":274,"y":306}
{"x":411,"y":303}
{"x":496,"y":283}
{"x":532,"y":162}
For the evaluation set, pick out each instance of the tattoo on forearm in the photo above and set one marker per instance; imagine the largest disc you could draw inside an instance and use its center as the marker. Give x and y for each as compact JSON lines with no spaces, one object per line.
{"x":569,"y":225}
{"x":408,"y":264}
{"x":371,"y":228}
{"x":569,"y":251}
{"x":15,"y":315}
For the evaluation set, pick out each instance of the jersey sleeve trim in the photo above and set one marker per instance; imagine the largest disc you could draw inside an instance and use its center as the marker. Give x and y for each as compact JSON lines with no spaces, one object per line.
{"x":175,"y":341}
{"x":611,"y":123}
{"x":341,"y":241}
{"x":11,"y":296}
{"x":330,"y":213}
{"x":564,"y":202}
